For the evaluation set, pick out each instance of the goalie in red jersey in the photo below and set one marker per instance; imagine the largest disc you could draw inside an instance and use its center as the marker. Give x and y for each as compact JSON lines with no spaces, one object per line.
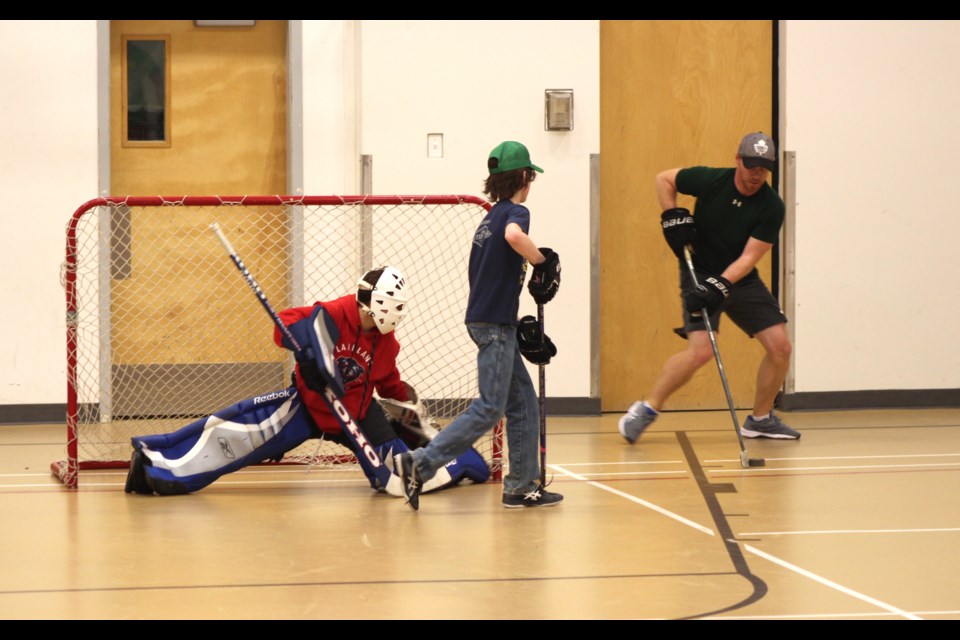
{"x":351,"y":358}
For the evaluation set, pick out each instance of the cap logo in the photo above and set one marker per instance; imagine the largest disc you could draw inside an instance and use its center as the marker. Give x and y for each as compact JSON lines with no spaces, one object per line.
{"x":760,"y":148}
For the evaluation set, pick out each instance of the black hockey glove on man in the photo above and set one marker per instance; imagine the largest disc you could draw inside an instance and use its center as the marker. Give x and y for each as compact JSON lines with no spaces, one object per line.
{"x":535,"y":346}
{"x":678,"y":229}
{"x":545,"y":280}
{"x":710,"y":293}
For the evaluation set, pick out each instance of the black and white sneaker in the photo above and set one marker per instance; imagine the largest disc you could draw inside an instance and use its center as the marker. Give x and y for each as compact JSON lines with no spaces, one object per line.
{"x":539,"y":497}
{"x":405,"y":467}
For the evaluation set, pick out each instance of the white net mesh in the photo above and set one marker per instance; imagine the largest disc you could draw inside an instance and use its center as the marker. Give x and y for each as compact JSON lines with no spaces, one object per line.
{"x":163,"y":329}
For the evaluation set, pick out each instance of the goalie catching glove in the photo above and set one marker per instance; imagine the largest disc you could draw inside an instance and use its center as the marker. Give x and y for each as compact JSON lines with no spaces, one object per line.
{"x":545,"y":281}
{"x":535,"y":345}
{"x":410,"y":418}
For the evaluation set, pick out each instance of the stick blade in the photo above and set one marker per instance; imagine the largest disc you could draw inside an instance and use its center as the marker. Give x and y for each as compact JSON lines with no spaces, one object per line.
{"x":746,"y":462}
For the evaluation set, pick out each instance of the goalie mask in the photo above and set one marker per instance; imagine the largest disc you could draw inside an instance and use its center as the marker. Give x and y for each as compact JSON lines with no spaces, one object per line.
{"x":382,"y":294}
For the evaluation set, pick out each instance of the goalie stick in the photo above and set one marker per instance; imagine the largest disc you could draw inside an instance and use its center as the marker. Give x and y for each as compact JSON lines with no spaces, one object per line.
{"x":330,"y":397}
{"x":744,"y":460}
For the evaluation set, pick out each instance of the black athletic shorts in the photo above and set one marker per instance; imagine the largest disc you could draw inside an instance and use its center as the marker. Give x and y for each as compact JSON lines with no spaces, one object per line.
{"x":750,"y":306}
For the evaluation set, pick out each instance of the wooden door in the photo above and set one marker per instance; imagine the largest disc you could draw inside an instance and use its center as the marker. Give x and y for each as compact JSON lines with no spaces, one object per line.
{"x":672,"y":94}
{"x":221,"y":92}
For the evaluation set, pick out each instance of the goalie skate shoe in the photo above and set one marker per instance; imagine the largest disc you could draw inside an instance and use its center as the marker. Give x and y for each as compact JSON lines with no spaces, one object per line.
{"x":770,"y":427}
{"x":406,"y":468}
{"x":137,"y":475}
{"x":539,"y":497}
{"x":635,"y":421}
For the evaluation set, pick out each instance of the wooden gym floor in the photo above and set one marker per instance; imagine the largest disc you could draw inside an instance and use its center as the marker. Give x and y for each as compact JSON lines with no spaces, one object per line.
{"x":857,"y":520}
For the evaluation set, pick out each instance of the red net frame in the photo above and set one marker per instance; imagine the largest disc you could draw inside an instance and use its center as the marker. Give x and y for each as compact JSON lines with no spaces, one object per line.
{"x":300,"y":249}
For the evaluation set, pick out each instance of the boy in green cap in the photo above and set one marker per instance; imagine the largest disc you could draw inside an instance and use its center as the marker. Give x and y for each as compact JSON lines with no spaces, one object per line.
{"x":498,"y":263}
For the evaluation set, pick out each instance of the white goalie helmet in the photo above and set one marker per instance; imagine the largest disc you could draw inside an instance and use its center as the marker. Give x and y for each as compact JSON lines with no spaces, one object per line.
{"x":382,"y":294}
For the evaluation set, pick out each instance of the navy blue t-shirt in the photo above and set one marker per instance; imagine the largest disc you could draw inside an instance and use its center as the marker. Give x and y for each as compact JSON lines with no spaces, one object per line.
{"x":497,"y":271}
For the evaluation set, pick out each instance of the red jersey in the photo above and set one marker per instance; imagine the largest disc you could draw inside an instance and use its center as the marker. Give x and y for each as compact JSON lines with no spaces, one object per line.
{"x":367,"y":361}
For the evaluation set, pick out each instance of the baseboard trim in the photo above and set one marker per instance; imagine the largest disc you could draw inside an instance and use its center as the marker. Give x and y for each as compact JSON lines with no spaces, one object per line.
{"x":33,"y":413}
{"x":580,"y":406}
{"x":45,"y":413}
{"x":571,"y":406}
{"x":886,"y":399}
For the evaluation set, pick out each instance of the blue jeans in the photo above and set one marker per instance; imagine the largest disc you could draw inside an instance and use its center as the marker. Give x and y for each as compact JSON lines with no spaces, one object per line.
{"x":505,"y":390}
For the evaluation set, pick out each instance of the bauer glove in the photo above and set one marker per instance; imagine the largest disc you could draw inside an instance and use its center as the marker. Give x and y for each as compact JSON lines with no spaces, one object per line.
{"x":678,"y":229}
{"x":709,"y":294}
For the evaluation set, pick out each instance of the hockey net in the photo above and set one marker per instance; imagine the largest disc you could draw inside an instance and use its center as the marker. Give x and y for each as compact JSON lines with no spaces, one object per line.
{"x":163,"y":330}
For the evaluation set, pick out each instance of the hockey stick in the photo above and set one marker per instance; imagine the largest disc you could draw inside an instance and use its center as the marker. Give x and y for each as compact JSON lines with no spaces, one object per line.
{"x":744,"y":460}
{"x":543,"y":416}
{"x":330,"y":397}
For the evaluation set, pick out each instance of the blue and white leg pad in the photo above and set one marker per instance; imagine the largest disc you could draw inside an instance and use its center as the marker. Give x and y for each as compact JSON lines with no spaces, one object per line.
{"x":250,"y":431}
{"x":469,"y":467}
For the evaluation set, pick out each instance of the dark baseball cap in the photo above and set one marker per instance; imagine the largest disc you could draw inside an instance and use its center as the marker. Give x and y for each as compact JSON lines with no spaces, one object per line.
{"x":508,"y":156}
{"x":758,"y":150}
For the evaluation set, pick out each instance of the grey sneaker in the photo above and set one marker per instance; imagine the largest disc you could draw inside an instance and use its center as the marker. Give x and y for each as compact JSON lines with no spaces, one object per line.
{"x":539,"y":497}
{"x":635,"y":421}
{"x":406,"y":468}
{"x":771,"y":427}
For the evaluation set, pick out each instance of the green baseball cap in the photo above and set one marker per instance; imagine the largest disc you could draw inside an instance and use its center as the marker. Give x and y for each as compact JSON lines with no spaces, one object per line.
{"x":508,"y":156}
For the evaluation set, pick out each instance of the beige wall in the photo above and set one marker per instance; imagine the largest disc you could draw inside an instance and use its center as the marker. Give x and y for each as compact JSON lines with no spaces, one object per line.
{"x":865,"y":104}
{"x":479,"y":83}
{"x":48,"y":168}
{"x":870,"y":111}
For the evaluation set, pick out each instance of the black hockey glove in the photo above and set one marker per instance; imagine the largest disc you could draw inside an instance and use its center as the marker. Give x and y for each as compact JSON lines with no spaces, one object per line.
{"x":535,"y":345}
{"x":545,"y":280}
{"x":309,"y":370}
{"x":678,"y":229}
{"x":710,"y":293}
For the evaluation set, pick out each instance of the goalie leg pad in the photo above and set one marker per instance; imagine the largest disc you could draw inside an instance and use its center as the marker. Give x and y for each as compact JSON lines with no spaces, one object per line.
{"x":386,"y":451}
{"x":251,"y":431}
{"x":468,"y":467}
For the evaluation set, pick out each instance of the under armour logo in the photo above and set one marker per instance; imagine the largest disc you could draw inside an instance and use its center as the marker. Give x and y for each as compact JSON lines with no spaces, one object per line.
{"x":737,"y":202}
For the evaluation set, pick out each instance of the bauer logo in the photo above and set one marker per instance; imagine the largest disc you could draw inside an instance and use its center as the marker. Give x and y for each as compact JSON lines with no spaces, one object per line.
{"x":276,"y":395}
{"x":675,"y":221}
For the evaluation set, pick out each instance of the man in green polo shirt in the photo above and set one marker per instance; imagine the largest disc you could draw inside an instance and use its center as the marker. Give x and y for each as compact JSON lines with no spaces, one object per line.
{"x":735,"y":222}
